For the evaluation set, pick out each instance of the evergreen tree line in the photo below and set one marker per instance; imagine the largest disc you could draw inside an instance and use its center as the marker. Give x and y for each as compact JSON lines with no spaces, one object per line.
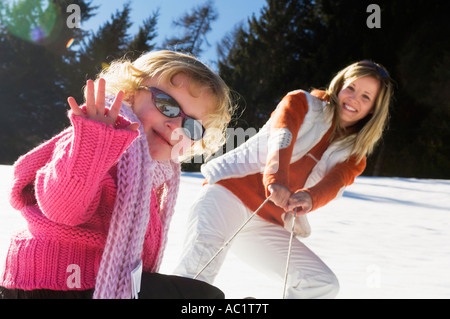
{"x":292,"y":44}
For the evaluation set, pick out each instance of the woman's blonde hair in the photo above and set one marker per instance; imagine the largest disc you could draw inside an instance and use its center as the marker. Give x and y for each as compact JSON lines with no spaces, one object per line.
{"x":368,"y":131}
{"x":128,"y":76}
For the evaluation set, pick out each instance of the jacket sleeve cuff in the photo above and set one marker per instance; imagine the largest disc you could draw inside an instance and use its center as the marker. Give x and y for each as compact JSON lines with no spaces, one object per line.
{"x":316,"y":200}
{"x":269,"y":179}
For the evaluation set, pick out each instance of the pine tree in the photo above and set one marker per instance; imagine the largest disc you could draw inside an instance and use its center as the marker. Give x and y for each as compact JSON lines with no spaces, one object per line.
{"x":107,"y":44}
{"x":142,"y":42}
{"x":39,"y":69}
{"x":110,"y":42}
{"x":33,"y":53}
{"x":269,"y":56}
{"x":195,"y":26}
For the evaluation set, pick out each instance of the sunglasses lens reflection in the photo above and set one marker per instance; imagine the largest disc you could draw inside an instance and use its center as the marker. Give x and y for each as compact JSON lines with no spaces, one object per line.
{"x":170,"y":108}
{"x":167,"y":105}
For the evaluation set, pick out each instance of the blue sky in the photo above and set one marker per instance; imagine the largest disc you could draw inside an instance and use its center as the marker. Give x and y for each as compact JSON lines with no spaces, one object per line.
{"x":230,"y":13}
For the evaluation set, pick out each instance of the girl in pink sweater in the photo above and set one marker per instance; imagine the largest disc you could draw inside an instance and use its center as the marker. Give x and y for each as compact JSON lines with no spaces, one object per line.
{"x":99,"y":196}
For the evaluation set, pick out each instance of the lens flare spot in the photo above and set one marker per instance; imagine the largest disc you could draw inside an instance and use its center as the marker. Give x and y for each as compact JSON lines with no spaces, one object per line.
{"x":33,"y":21}
{"x":69,"y":43}
{"x":37,"y":34}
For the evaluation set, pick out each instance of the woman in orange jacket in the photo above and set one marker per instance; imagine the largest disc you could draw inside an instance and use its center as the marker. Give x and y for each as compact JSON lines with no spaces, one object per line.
{"x":313,"y":146}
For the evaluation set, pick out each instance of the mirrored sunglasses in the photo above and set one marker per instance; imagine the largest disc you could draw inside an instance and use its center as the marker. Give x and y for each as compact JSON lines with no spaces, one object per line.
{"x":169,"y":107}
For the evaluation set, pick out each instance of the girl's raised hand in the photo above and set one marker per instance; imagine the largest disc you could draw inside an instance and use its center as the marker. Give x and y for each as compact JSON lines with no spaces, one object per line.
{"x":95,"y":105}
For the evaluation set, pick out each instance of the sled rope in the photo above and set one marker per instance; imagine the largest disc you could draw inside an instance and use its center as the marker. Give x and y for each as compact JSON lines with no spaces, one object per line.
{"x":232,"y":237}
{"x":289,"y":253}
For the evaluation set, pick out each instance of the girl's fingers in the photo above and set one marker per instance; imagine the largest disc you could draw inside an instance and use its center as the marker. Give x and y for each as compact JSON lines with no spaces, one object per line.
{"x":115,"y":107}
{"x":100,"y":100}
{"x":133,"y":127}
{"x":74,"y":106}
{"x":95,"y":105}
{"x":91,"y":109}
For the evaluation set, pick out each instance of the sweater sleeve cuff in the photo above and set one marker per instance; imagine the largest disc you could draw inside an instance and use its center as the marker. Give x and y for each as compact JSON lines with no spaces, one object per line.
{"x":319,"y":197}
{"x":98,"y":144}
{"x":316,"y":202}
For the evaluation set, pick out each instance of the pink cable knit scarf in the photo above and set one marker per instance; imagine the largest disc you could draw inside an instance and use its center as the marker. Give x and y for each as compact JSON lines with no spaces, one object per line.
{"x":137,"y":174}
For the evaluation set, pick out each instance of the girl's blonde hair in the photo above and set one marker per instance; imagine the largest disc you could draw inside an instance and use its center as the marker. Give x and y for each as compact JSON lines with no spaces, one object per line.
{"x":128,"y":76}
{"x":369,"y":130}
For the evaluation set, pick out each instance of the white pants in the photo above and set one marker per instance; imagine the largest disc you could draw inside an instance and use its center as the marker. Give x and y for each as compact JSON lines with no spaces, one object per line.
{"x":214,"y":218}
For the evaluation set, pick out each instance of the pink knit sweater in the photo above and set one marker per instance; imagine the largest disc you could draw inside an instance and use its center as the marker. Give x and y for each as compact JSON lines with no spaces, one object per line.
{"x":66,"y":190}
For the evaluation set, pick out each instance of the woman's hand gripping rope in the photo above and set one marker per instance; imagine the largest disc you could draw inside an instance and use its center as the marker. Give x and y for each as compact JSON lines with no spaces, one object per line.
{"x":282,"y":197}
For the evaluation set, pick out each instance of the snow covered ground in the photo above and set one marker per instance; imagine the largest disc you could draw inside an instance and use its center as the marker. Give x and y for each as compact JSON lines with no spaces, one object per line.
{"x":385,"y":238}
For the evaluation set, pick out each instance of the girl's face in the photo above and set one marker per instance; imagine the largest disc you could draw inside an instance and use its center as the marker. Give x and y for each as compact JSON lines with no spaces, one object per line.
{"x":357,"y":99}
{"x":165,"y":136}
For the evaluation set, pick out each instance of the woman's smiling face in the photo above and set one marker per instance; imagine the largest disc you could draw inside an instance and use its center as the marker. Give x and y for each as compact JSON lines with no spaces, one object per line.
{"x":357,"y":99}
